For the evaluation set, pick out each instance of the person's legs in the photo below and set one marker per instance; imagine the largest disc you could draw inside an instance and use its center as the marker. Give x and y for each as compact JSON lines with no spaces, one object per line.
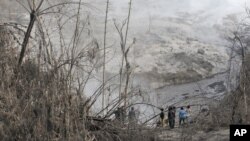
{"x":181,"y":121}
{"x":162,"y":122}
{"x":172,"y":123}
{"x":187,"y":120}
{"x":169,"y":122}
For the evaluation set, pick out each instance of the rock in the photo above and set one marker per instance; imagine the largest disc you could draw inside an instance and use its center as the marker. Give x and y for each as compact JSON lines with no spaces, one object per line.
{"x":201,"y":51}
{"x":218,"y":87}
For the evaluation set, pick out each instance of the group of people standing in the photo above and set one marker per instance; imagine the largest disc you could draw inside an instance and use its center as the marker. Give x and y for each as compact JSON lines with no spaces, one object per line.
{"x":120,"y":115}
{"x":183,"y":113}
{"x":184,"y":116}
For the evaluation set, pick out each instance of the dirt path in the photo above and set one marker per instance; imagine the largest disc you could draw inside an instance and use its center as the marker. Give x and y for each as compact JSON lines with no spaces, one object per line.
{"x":182,"y":134}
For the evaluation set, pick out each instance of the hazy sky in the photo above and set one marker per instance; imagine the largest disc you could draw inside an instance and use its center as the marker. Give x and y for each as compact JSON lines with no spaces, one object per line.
{"x":157,"y":8}
{"x":162,"y":8}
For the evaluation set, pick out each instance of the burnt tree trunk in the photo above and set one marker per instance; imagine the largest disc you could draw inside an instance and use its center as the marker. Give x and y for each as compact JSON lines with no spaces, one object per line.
{"x":27,"y":36}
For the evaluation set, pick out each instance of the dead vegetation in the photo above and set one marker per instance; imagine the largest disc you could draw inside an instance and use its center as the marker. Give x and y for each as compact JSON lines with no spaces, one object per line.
{"x":41,"y":96}
{"x":37,"y":105}
{"x":41,"y":90}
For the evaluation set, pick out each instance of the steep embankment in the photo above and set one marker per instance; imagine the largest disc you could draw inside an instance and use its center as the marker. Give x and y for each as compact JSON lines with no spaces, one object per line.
{"x":180,"y":50}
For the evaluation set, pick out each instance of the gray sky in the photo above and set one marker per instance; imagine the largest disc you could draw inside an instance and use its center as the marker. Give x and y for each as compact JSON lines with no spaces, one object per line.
{"x":163,"y":8}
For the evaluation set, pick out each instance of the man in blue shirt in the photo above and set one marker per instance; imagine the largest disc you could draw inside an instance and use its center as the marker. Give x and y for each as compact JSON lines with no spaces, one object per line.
{"x":182,"y":116}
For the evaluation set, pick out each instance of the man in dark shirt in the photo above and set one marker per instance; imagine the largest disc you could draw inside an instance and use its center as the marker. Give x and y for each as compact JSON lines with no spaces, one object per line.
{"x":171,"y":116}
{"x":118,"y":114}
{"x":162,"y":116}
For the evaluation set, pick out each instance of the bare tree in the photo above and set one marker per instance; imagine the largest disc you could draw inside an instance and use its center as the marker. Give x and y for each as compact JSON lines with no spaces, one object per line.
{"x":104,"y":55}
{"x":243,"y":77}
{"x":34,"y":9}
{"x":125,"y":51}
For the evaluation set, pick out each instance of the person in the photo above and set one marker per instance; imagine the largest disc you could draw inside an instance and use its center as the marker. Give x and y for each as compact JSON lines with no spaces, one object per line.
{"x":132,"y":116}
{"x":162,"y":116}
{"x":188,"y":118}
{"x":182,"y":116}
{"x":174,"y":110}
{"x":171,"y":117}
{"x":120,"y":114}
